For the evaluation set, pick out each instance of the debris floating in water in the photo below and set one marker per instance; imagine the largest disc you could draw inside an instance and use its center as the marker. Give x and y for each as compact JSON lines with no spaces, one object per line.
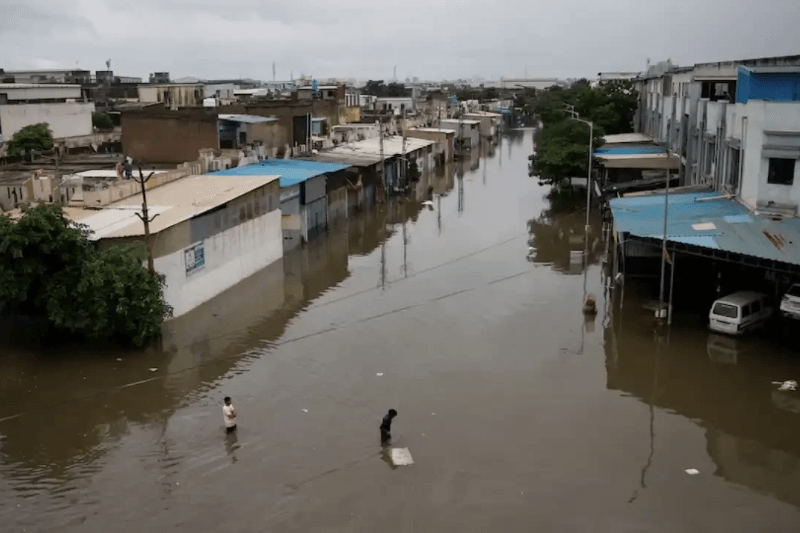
{"x":379,"y":374}
{"x":153,"y":369}
{"x":401,"y":457}
{"x":305,"y":410}
{"x":786,"y":385}
{"x":692,"y":471}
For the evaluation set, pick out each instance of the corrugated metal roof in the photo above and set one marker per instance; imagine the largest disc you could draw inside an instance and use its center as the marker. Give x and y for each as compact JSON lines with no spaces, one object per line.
{"x":715,"y":223}
{"x":248,"y":119}
{"x":623,"y":138}
{"x":291,"y":171}
{"x":628,"y":150}
{"x":174,"y":202}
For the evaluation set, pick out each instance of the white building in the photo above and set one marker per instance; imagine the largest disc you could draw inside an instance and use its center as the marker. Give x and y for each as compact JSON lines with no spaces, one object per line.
{"x":735,"y":126}
{"x":468,"y":132}
{"x":59,"y":105}
{"x":211,"y":232}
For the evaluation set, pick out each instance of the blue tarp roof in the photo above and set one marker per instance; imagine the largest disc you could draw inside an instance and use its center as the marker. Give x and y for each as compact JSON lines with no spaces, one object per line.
{"x":719,"y":224}
{"x":291,"y":171}
{"x":629,"y":150}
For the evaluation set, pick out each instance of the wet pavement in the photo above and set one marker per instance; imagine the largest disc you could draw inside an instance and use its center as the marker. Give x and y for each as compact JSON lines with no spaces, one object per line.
{"x":520,"y":415}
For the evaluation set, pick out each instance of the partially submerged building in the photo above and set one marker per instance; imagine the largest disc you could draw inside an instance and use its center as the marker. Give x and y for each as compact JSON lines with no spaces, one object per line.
{"x":303,"y":194}
{"x":468,"y":132}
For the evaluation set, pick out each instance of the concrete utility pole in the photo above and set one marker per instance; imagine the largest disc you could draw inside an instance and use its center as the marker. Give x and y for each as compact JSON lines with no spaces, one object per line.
{"x":403,"y":162}
{"x":144,"y":217}
{"x":383,"y":159}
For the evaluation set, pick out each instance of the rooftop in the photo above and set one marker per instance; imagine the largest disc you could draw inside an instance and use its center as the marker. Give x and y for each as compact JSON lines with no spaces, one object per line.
{"x":435,"y":130}
{"x":628,"y":151}
{"x":174,"y":202}
{"x":705,"y":220}
{"x":459,"y":121}
{"x":624,"y":138}
{"x":291,"y":171}
{"x":247,"y":119}
{"x":39,"y":86}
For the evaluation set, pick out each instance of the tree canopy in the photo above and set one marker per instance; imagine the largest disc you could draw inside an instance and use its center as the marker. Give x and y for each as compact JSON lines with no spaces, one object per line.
{"x":50,"y":268}
{"x":380,"y":89}
{"x":33,"y":138}
{"x":562,"y":148}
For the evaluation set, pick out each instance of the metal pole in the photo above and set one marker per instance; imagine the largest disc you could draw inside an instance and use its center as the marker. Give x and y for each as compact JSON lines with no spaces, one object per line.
{"x":383,"y":159}
{"x":589,"y":180}
{"x":664,"y":242}
{"x":671,"y":284}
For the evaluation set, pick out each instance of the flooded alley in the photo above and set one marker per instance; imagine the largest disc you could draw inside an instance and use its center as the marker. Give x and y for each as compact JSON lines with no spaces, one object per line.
{"x":463,"y":313}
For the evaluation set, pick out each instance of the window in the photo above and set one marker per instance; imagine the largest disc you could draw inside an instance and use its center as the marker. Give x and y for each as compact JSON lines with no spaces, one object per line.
{"x":781,"y":171}
{"x":756,"y":306}
{"x":747,"y":311}
{"x":726,"y":310}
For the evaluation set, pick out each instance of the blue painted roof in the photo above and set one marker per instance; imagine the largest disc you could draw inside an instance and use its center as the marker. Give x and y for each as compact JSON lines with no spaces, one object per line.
{"x":717,"y":224}
{"x":629,"y":150}
{"x":291,"y":171}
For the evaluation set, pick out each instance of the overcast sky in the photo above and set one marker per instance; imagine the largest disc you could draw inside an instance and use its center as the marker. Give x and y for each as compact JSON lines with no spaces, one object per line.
{"x":431,"y":39}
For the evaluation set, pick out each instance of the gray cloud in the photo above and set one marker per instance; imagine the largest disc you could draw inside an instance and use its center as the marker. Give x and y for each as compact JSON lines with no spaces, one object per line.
{"x":431,"y":39}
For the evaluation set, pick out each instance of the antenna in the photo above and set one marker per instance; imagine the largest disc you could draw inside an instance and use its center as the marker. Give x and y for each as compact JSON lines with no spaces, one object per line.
{"x":273,"y":71}
{"x":108,"y":64}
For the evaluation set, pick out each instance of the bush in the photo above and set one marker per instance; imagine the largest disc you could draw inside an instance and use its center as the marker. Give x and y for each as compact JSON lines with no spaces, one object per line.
{"x":50,"y":268}
{"x":102,"y":121}
{"x":33,"y":138}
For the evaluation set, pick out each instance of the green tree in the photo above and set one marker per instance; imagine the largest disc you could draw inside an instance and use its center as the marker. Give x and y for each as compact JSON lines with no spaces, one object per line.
{"x":102,"y":121}
{"x":29,"y":139}
{"x":50,"y":268}
{"x":562,"y":150}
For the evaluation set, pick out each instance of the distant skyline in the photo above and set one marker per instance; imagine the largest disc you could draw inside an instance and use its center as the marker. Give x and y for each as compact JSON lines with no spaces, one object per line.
{"x":428,"y":39}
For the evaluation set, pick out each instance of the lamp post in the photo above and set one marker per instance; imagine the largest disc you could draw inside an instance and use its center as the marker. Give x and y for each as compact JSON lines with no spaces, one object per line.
{"x":574,"y":116}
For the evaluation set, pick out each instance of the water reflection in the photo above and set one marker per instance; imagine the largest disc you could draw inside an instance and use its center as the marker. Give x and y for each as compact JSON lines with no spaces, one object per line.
{"x":70,"y":411}
{"x":751,"y":429}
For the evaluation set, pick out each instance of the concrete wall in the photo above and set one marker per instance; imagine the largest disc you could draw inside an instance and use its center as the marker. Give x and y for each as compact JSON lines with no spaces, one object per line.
{"x":180,"y":95}
{"x":352,"y":114}
{"x":11,"y":195}
{"x":230,"y":257}
{"x":55,"y":92}
{"x":167,"y":138}
{"x":445,"y":140}
{"x":64,"y":119}
{"x":470,"y":132}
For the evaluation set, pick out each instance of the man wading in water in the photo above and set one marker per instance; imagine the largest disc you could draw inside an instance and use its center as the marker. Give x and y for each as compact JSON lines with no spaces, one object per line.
{"x":229,"y":413}
{"x":386,"y":426}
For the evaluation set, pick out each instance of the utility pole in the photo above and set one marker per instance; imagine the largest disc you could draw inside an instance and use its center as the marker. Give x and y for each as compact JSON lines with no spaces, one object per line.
{"x":664,"y":243}
{"x":404,"y":163}
{"x":145,"y":218}
{"x":383,"y":158}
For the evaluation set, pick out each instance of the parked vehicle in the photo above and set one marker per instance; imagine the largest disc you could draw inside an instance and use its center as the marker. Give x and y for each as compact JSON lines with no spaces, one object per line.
{"x":739,"y":312}
{"x":790,"y":303}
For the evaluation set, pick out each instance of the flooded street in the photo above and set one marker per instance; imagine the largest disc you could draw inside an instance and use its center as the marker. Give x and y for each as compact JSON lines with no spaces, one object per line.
{"x":519,"y":415}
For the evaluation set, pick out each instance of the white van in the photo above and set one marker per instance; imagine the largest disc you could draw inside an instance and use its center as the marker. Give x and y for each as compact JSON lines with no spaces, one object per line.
{"x":739,"y":312}
{"x":790,"y":303}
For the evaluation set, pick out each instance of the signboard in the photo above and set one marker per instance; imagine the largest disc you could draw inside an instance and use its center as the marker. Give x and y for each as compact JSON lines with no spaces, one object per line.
{"x":453,"y":100}
{"x":195,"y":258}
{"x":314,"y":86}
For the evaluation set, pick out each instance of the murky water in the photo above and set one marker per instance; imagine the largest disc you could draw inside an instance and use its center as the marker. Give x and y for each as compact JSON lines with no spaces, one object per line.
{"x":519,"y":414}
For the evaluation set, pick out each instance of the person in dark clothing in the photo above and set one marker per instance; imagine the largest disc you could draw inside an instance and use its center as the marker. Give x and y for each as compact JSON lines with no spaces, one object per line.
{"x":386,"y":426}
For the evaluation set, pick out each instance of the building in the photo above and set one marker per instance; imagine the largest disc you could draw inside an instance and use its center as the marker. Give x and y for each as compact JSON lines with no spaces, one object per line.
{"x":604,"y":78}
{"x":58,"y":105}
{"x":527,"y":83}
{"x":726,"y":122}
{"x":489,"y":122}
{"x":173,"y":95}
{"x":303,"y":194}
{"x":395,"y":105}
{"x":61,"y":76}
{"x":734,"y":128}
{"x":468,"y":132}
{"x":209,"y":233}
{"x":444,"y":149}
{"x":632,"y":161}
{"x":158,"y":135}
{"x":159,"y":77}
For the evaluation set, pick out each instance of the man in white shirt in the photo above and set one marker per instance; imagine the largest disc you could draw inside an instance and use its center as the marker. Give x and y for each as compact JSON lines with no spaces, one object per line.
{"x":229,"y":413}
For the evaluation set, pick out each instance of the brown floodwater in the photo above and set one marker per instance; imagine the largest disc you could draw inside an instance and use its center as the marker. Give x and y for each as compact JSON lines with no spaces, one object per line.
{"x":519,"y":414}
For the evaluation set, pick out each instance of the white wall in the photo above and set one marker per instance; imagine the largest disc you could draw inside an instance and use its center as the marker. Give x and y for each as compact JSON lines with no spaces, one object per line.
{"x":42,"y":92}
{"x":225,"y":90}
{"x":230,"y":257}
{"x":65,"y":120}
{"x":769,"y":116}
